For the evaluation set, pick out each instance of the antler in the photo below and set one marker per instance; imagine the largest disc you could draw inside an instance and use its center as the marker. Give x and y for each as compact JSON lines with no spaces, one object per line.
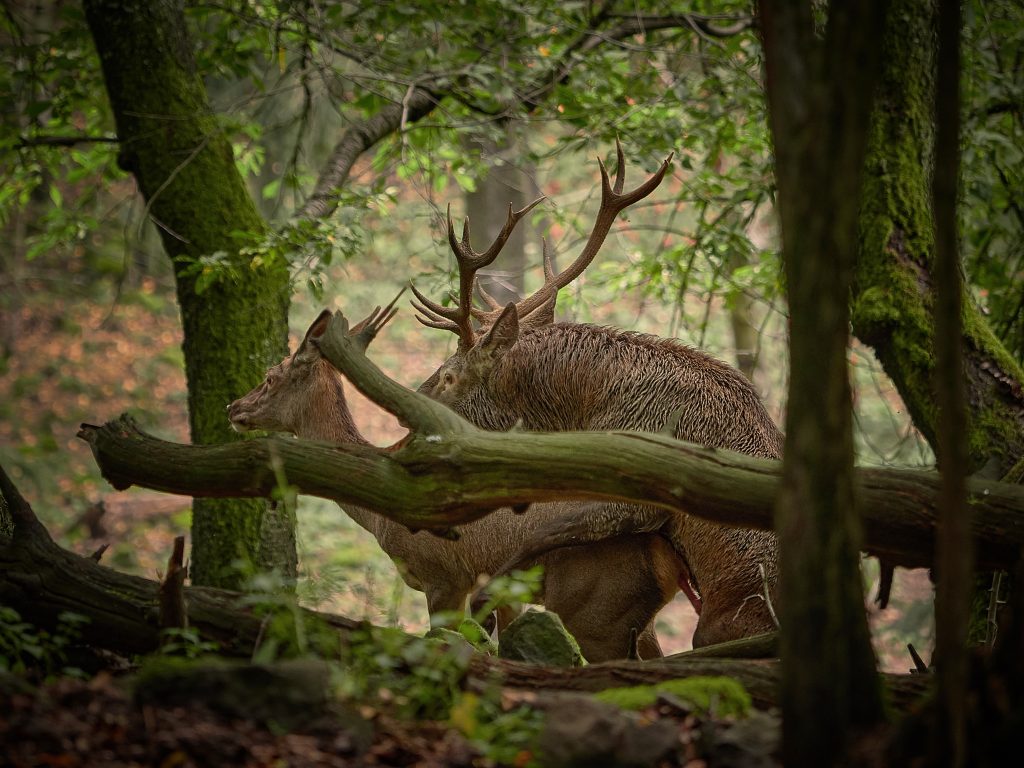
{"x":541,"y":304}
{"x":459,"y":318}
{"x":538,"y":308}
{"x":366,"y":330}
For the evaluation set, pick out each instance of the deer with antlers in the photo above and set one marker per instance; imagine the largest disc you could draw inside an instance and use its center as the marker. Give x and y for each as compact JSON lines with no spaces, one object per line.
{"x":515,"y":366}
{"x":304,"y":395}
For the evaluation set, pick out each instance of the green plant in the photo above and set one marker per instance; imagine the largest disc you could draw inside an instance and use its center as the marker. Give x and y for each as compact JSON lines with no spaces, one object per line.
{"x":287,"y":630}
{"x":27,"y":649}
{"x":412,"y":677}
{"x":504,"y":735}
{"x":185,"y":642}
{"x":512,"y":589}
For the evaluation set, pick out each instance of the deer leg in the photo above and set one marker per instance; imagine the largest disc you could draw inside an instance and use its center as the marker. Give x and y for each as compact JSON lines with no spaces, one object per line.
{"x":647,"y":644}
{"x":446,"y":605}
{"x":604,"y":591}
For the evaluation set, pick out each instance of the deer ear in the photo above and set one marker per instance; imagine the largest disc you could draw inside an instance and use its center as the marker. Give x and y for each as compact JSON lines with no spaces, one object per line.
{"x":504,"y":333}
{"x":315,"y":330}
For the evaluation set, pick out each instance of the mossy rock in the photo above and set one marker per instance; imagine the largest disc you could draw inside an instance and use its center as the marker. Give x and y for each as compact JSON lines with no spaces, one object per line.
{"x":720,"y":696}
{"x":286,"y":694}
{"x":539,"y":637}
{"x":469,"y":632}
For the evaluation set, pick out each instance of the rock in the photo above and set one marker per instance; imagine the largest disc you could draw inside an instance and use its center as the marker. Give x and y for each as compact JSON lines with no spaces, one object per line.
{"x":286,"y":694}
{"x":753,"y":742}
{"x":581,"y":731}
{"x":539,"y":637}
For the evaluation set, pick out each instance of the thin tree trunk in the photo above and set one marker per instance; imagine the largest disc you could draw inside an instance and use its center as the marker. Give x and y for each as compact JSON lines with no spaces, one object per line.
{"x":235,"y":329}
{"x":487,"y":206}
{"x":953,"y":557}
{"x":819,"y":95}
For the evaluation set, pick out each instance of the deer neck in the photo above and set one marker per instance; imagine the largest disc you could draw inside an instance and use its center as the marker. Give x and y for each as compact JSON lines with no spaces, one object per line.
{"x":327,"y":418}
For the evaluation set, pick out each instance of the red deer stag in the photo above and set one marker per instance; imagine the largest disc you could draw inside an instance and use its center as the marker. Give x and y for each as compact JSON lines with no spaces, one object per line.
{"x":304,"y":395}
{"x":521,"y":368}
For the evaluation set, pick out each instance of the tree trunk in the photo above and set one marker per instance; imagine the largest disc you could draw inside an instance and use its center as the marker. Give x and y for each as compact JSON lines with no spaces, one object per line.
{"x":819,"y":96}
{"x":892,"y":302}
{"x":487,"y":207}
{"x":953,"y":555}
{"x":237,"y":327}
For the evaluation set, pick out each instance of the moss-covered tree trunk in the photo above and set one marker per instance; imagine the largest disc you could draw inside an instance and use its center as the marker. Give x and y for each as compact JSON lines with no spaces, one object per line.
{"x":892,"y":299}
{"x":233,"y":331}
{"x":819,"y":97}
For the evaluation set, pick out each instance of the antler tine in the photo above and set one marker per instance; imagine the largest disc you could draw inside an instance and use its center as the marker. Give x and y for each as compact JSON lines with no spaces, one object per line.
{"x":549,"y":262}
{"x":366,"y":330}
{"x":489,"y":300}
{"x":613,"y":202}
{"x":432,"y":308}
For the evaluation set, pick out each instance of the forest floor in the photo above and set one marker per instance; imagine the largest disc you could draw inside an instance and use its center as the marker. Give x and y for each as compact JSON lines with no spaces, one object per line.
{"x":78,"y":724}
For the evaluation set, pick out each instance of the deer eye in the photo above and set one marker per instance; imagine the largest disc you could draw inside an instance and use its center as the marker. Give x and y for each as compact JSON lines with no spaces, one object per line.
{"x":449,"y":378}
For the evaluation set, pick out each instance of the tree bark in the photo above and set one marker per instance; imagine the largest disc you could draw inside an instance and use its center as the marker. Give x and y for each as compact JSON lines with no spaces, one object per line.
{"x":237,"y":328}
{"x":953,"y":556}
{"x":819,"y":97}
{"x":892,"y":301}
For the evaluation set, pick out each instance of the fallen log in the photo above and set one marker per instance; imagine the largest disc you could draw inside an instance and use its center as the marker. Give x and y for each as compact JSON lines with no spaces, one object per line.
{"x":41,"y":580}
{"x":439,"y":481}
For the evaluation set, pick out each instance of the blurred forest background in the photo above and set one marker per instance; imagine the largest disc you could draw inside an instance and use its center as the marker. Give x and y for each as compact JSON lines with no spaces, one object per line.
{"x":89,"y":322}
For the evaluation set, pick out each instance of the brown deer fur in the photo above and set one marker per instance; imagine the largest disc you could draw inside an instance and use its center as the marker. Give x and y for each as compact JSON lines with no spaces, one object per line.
{"x":582,"y":377}
{"x":304,"y":395}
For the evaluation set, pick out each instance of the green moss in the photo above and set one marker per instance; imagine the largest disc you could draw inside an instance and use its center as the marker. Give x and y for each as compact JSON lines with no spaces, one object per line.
{"x":891,"y":302}
{"x":717,"y":696}
{"x":478,"y":637}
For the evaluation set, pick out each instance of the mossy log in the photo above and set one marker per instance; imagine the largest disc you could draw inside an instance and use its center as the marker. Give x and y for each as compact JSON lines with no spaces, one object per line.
{"x":759,"y":677}
{"x":40,"y":580}
{"x":439,"y":481}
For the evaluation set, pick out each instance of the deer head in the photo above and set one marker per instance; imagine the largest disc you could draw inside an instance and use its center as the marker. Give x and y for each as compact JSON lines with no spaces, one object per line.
{"x":459,"y":382}
{"x":303,"y":394}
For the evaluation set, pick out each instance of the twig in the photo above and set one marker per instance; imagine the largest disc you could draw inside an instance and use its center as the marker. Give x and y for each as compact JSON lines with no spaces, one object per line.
{"x":920,"y":668}
{"x":173,"y":611}
{"x":767,"y":594}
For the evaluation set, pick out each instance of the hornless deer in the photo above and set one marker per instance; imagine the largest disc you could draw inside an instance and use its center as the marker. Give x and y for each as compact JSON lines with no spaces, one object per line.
{"x":521,"y":368}
{"x":304,"y":395}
